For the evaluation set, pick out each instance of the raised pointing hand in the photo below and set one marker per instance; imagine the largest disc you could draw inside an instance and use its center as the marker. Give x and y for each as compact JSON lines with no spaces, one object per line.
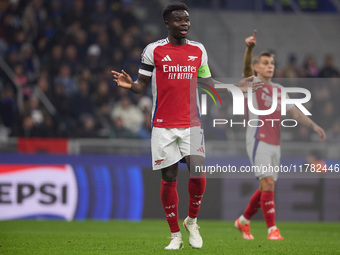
{"x":251,"y":40}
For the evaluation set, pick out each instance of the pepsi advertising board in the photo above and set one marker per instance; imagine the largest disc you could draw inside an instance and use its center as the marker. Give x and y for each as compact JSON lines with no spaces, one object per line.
{"x":69,"y":188}
{"x":33,"y":191}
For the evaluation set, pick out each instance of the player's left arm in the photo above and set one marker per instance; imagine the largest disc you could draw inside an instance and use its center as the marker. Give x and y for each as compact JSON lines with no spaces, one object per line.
{"x":243,"y":84}
{"x":205,"y":77}
{"x":308,"y":122}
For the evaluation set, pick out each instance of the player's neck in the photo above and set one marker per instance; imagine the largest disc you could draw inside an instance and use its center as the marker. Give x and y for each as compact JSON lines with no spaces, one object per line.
{"x":177,"y":42}
{"x":265,"y":80}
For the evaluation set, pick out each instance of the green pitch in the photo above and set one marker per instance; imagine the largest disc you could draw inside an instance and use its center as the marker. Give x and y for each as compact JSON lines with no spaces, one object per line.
{"x":151,"y":236}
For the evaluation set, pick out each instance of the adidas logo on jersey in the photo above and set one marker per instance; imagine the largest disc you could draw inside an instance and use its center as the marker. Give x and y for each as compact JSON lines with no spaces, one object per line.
{"x":201,"y":149}
{"x":166,"y":58}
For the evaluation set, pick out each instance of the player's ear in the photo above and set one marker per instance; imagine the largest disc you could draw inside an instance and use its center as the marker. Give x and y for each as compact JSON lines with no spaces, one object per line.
{"x":166,"y":22}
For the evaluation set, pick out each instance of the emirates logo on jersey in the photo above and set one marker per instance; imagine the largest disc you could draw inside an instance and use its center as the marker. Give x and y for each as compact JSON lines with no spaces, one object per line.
{"x":179,"y":72}
{"x":179,"y":69}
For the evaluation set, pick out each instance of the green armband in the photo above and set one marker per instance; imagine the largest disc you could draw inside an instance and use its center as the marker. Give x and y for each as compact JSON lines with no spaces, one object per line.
{"x":204,"y":72}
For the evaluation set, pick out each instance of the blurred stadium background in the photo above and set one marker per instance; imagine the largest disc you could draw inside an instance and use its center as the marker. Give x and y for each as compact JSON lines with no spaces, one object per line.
{"x":74,"y":146}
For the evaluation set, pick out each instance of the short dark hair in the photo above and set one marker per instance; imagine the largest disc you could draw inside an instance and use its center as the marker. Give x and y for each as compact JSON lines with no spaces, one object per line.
{"x":175,"y":6}
{"x":263,"y":54}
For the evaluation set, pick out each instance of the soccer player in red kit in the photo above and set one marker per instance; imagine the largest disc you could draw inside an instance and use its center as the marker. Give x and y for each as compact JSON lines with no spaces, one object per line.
{"x":170,"y":64}
{"x":263,"y":143}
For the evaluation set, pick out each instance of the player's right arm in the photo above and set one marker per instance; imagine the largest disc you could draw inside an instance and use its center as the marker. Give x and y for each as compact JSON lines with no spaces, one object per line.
{"x":124,"y":80}
{"x":145,"y":72}
{"x":248,"y":55}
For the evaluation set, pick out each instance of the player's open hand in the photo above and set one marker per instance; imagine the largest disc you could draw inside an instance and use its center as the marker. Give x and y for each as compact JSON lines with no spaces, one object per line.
{"x":246,"y":83}
{"x":319,"y":130}
{"x":251,"y":40}
{"x":122,"y":79}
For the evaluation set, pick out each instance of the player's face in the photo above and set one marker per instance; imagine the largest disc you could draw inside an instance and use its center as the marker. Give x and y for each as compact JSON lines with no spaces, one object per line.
{"x":178,"y":24}
{"x":265,"y":67}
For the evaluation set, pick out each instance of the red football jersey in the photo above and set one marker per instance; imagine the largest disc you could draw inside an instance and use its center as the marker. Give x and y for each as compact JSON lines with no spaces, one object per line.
{"x":172,"y":68}
{"x":269,"y":132}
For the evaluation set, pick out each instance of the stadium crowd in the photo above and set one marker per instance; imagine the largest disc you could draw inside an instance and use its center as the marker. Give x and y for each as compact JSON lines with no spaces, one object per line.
{"x":62,"y":53}
{"x":267,"y":5}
